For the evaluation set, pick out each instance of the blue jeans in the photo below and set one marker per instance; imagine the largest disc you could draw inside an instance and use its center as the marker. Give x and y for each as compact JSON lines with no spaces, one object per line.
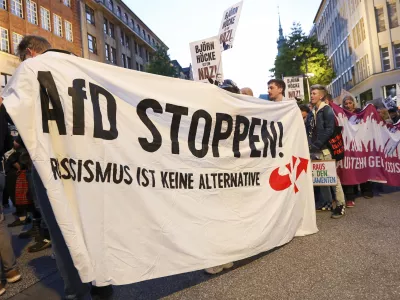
{"x":74,"y":288}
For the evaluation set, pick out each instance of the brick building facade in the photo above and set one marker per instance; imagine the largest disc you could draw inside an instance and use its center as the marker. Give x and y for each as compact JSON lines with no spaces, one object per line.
{"x":57,"y":21}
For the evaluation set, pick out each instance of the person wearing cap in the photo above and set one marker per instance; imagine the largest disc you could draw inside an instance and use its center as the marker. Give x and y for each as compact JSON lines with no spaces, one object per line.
{"x":322,"y":131}
{"x":276,"y":90}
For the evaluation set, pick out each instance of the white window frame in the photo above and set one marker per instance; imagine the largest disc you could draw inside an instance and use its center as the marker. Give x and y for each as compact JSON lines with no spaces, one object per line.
{"x":4,"y":37}
{"x":3,"y":4}
{"x":396,"y":45}
{"x":17,"y":8}
{"x":57,"y":25}
{"x":385,"y":58}
{"x":17,"y":38}
{"x":69,"y":35}
{"x":45,"y":18}
{"x":31,"y":12}
{"x":67,"y":3}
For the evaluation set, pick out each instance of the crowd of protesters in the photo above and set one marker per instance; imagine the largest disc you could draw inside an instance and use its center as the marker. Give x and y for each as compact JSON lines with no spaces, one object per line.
{"x":20,"y":184}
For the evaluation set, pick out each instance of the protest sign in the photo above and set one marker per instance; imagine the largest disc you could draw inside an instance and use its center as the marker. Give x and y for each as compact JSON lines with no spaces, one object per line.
{"x":294,"y":87}
{"x":324,"y":172}
{"x":206,"y":60}
{"x":151,"y":176}
{"x":229,"y":23}
{"x":371,"y":147}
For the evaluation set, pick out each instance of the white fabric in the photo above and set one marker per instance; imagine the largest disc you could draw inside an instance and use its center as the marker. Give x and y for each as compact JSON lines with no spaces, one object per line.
{"x":124,"y":233}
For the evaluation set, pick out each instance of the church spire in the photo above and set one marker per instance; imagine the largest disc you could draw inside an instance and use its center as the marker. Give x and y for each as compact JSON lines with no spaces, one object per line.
{"x":281,"y":40}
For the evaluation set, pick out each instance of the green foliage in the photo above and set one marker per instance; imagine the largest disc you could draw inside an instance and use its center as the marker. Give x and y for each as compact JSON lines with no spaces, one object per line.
{"x":302,"y":54}
{"x":160,"y":64}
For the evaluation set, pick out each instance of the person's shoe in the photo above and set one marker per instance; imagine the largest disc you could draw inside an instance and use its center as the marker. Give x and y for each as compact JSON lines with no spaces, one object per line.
{"x":214,"y":270}
{"x":13,"y":276}
{"x":338,"y":212}
{"x":16,"y":223}
{"x":228,"y":265}
{"x":2,"y":289}
{"x":40,"y":245}
{"x":368,"y":195}
{"x":33,"y":232}
{"x":350,"y":204}
{"x":101,"y":292}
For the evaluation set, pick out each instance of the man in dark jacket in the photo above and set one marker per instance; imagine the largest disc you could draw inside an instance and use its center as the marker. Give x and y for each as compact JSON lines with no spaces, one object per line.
{"x":323,"y":130}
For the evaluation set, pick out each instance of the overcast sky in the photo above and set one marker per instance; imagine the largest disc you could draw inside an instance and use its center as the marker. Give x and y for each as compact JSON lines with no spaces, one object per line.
{"x":179,"y":22}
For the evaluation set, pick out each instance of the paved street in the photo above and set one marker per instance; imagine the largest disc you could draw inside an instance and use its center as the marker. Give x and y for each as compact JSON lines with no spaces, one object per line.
{"x":356,"y":257}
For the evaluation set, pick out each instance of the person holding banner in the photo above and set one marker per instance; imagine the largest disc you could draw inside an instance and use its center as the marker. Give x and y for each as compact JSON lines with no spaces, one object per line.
{"x":30,"y":47}
{"x":324,"y":119}
{"x":350,"y":191}
{"x":276,"y":90}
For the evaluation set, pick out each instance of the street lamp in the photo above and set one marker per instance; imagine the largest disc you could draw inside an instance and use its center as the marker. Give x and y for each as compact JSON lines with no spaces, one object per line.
{"x":308,"y":75}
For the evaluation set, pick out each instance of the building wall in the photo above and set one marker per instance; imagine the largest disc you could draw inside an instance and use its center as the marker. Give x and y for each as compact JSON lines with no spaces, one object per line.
{"x":16,"y":24}
{"x":141,"y":46}
{"x":357,"y":61}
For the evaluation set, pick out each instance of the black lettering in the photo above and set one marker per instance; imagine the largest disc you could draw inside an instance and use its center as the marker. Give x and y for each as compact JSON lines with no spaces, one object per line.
{"x":129,"y":180}
{"x":49,"y":94}
{"x":218,"y":133}
{"x":78,"y":107}
{"x":91,"y":176}
{"x":144,"y":175}
{"x":99,"y":131}
{"x":254,"y":138}
{"x":141,"y":112}
{"x":206,"y":134}
{"x":121,"y":173}
{"x":55,"y":168}
{"x":164,"y":179}
{"x":103,"y":177}
{"x":177,"y":112}
{"x":63,"y":164}
{"x":72,"y":162}
{"x":240,"y":136}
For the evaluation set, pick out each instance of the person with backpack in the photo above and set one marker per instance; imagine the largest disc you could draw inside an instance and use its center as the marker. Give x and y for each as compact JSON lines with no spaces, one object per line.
{"x":322,"y":131}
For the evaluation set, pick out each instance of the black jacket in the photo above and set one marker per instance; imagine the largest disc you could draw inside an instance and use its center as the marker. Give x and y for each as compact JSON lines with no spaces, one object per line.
{"x":324,"y":127}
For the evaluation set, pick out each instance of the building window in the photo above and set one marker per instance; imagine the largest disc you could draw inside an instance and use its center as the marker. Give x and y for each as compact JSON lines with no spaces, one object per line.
{"x":385,"y":58}
{"x":57,"y":25}
{"x":153,"y":42}
{"x":3,"y":4}
{"x":107,"y":47}
{"x":89,"y":15}
{"x":143,"y":34}
{"x":138,"y":28}
{"x":122,"y":38}
{"x":392,"y":12}
{"x":67,"y":3}
{"x":113,"y":55}
{"x":92,"y":44}
{"x":16,"y":8}
{"x":141,"y":67}
{"x":68,"y":31}
{"x":31,"y":11}
{"x":126,"y":18}
{"x":119,"y":11}
{"x":137,"y":66}
{"x":124,"y":60}
{"x":4,"y":40}
{"x":45,"y":18}
{"x":148,"y":37}
{"x":129,"y":62}
{"x":105,"y":26}
{"x":396,"y":51}
{"x":132,"y":24}
{"x":112,"y":31}
{"x":380,"y":19}
{"x":127,"y":41}
{"x":110,"y":5}
{"x":17,"y":38}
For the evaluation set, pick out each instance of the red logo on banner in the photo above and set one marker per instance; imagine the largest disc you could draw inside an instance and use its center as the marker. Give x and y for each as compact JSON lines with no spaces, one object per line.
{"x":280,"y":182}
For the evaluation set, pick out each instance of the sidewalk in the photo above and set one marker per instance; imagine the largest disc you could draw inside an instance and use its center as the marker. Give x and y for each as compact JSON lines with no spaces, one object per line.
{"x":356,"y":257}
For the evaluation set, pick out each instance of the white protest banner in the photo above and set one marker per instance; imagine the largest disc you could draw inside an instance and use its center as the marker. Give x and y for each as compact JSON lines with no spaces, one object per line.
{"x":229,"y":23}
{"x":151,"y":176}
{"x":206,"y":60}
{"x":324,"y":172}
{"x":294,"y":87}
